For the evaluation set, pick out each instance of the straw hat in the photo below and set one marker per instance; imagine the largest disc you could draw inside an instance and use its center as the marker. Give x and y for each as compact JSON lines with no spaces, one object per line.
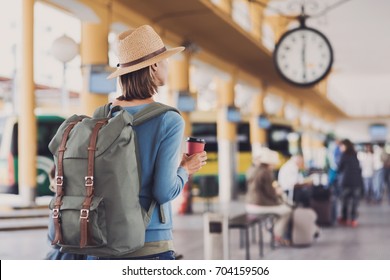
{"x":266,"y":156}
{"x":139,"y":48}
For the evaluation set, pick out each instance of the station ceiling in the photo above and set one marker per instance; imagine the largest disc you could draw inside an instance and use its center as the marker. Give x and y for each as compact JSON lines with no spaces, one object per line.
{"x":359,"y":84}
{"x":211,"y":29}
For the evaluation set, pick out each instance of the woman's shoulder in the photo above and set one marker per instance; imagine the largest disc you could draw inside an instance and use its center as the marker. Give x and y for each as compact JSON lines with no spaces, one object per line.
{"x":172,"y":118}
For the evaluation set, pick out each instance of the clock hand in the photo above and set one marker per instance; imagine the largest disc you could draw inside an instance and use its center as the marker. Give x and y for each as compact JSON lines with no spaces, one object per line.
{"x":304,"y":57}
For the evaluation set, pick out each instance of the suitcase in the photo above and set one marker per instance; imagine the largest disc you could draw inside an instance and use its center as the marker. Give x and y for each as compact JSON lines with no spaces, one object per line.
{"x":323,"y":210}
{"x":303,"y":227}
{"x":321,"y":203}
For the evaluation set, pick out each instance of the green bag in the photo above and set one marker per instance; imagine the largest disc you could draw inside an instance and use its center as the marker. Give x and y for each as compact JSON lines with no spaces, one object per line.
{"x":96,"y":209}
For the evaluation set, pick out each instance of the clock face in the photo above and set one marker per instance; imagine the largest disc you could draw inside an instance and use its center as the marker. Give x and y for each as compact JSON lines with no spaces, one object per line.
{"x":303,"y":56}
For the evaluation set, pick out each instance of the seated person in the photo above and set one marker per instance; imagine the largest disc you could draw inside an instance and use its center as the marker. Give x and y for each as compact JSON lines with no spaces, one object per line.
{"x":292,"y":182}
{"x":264,"y":196}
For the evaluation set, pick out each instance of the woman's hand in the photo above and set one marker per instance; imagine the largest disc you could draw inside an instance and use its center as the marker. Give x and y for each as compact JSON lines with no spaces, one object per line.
{"x":193,"y":162}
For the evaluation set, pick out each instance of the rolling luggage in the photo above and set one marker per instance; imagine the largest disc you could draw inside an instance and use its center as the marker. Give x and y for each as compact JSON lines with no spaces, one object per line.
{"x":321,"y":203}
{"x":303,"y":227}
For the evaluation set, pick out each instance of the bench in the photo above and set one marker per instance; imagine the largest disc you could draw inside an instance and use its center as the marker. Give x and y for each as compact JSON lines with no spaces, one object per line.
{"x":246,"y":221}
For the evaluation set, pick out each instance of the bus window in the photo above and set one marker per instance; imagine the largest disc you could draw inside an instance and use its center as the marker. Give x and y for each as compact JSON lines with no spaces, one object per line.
{"x":244,"y":144}
{"x":278,"y":138}
{"x":207,"y":131}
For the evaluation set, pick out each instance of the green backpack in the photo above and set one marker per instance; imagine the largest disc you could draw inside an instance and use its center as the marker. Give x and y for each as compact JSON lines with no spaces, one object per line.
{"x":96,"y":209}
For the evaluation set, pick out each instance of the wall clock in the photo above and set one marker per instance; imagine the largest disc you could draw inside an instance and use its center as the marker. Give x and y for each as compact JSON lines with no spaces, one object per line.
{"x":303,"y":56}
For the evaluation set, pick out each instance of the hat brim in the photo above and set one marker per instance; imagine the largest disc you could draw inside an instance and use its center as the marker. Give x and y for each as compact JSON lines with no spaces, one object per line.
{"x":143,"y":64}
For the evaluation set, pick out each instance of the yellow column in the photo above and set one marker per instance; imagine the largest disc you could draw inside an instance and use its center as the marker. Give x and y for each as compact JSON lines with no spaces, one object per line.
{"x":257,"y":18}
{"x":179,"y":75}
{"x":94,"y":50}
{"x":225,"y":129}
{"x":27,"y":125}
{"x":281,"y":114}
{"x":296,"y":123}
{"x":179,"y":81}
{"x":258,"y":135}
{"x":226,"y":135}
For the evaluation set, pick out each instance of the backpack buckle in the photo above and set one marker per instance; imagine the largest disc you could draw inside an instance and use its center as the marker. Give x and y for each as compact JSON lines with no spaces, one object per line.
{"x":88,"y":181}
{"x":84,"y":213}
{"x":56,"y":213}
{"x":59,"y":181}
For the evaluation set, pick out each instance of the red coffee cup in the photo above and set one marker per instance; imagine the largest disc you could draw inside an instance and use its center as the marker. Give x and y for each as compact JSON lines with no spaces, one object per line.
{"x":195,"y":145}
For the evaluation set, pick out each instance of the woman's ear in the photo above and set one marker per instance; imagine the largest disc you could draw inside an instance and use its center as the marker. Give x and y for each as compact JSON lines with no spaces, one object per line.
{"x":154,"y":67}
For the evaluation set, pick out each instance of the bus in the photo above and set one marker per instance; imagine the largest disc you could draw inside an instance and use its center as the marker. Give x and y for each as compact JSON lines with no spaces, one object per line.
{"x":205,"y":181}
{"x":47,"y":126}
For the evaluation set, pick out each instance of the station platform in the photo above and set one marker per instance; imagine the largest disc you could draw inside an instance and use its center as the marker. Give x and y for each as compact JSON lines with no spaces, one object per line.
{"x":23,"y":237}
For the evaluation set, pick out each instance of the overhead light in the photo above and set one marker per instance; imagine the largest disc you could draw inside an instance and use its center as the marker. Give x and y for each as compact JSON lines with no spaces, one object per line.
{"x":64,"y":49}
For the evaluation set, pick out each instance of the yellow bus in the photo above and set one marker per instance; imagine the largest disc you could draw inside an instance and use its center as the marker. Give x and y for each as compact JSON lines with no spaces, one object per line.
{"x":205,"y":182}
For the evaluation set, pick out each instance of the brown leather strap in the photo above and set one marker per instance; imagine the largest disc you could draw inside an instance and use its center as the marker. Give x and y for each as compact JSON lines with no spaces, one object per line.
{"x":59,"y":183}
{"x":89,"y":184}
{"x":142,"y":59}
{"x":84,"y":219}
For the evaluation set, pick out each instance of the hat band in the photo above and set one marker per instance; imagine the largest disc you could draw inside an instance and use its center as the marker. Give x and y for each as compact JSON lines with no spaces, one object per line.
{"x":142,"y":59}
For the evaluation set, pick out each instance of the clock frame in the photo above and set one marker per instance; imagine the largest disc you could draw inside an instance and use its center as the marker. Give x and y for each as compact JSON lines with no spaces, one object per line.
{"x":303,"y":56}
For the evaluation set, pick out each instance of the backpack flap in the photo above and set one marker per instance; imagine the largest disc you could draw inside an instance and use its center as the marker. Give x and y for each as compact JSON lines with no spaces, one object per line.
{"x":78,"y":140}
{"x":56,"y":140}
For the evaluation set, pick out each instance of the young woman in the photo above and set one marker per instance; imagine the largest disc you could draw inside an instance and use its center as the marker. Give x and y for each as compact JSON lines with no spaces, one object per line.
{"x":142,"y":68}
{"x":351,"y":184}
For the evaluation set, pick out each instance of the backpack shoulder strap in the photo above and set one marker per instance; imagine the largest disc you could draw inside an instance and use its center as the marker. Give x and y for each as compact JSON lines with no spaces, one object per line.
{"x":102,"y":111}
{"x":152,"y":110}
{"x":149,"y":112}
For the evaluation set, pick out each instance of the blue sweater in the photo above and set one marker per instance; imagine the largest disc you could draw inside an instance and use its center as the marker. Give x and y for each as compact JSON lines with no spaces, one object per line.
{"x":159,"y":141}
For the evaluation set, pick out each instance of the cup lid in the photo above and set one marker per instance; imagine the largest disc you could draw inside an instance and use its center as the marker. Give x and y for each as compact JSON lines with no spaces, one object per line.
{"x":194,"y":139}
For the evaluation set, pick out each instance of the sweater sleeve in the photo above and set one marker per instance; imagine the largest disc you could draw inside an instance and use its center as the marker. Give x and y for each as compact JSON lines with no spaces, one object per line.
{"x":169,"y":179}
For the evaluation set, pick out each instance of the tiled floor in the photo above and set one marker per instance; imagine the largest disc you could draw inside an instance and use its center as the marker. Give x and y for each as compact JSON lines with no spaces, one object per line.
{"x":370,"y":241}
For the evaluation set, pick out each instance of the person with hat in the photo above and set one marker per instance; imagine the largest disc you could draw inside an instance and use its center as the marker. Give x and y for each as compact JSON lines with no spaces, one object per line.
{"x":142,"y":68}
{"x":264,"y":195}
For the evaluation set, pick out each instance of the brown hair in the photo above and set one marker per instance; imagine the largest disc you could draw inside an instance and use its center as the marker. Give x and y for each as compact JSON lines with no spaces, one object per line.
{"x":349,"y":148}
{"x":139,"y":84}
